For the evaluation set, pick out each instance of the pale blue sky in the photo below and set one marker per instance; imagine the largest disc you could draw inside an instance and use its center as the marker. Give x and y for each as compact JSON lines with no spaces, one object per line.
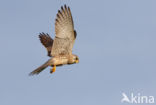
{"x":116,"y":45}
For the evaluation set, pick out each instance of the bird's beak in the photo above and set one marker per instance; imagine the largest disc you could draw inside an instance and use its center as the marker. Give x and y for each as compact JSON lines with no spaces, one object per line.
{"x":77,"y":61}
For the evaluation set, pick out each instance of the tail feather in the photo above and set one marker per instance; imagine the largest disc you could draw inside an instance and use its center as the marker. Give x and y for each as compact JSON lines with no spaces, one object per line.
{"x":40,"y":69}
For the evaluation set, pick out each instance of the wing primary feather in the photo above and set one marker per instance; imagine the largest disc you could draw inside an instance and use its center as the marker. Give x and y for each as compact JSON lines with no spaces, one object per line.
{"x":70,"y":15}
{"x":62,"y":8}
{"x":58,"y":16}
{"x":66,"y":10}
{"x":60,"y":12}
{"x":65,"y":5}
{"x":56,"y":20}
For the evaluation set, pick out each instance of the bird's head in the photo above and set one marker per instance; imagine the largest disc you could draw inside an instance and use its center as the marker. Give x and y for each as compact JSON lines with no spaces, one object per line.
{"x":73,"y":59}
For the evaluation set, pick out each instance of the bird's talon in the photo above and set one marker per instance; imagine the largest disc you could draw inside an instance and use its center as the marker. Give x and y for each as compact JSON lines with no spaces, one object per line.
{"x":53,"y":69}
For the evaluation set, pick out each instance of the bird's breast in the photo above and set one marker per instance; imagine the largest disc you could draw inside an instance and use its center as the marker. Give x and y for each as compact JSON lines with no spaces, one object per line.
{"x":60,"y":60}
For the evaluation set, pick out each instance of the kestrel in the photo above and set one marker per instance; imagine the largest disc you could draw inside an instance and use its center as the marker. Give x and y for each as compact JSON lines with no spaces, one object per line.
{"x":59,"y":49}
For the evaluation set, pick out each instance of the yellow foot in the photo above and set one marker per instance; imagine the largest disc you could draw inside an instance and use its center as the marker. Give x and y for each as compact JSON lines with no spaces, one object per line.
{"x":53,"y":69}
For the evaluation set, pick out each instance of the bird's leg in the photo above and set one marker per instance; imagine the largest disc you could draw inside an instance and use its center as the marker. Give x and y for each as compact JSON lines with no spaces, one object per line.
{"x":53,"y":69}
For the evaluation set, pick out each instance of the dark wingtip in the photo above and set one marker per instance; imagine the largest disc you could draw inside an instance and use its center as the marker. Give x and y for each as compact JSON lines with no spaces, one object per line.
{"x":59,"y":11}
{"x":68,"y":8}
{"x":43,"y":34}
{"x":58,"y":16}
{"x":65,"y":6}
{"x":62,"y":7}
{"x":40,"y":35}
{"x":56,"y":20}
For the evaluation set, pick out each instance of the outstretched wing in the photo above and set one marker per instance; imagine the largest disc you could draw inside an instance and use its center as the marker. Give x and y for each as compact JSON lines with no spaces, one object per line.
{"x":47,"y":41}
{"x":65,"y":33}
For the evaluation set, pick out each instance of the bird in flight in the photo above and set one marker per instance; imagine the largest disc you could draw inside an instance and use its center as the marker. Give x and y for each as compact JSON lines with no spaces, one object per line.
{"x":59,"y":48}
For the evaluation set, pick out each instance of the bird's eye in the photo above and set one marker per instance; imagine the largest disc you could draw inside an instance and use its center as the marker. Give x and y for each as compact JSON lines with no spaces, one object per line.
{"x":75,"y":58}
